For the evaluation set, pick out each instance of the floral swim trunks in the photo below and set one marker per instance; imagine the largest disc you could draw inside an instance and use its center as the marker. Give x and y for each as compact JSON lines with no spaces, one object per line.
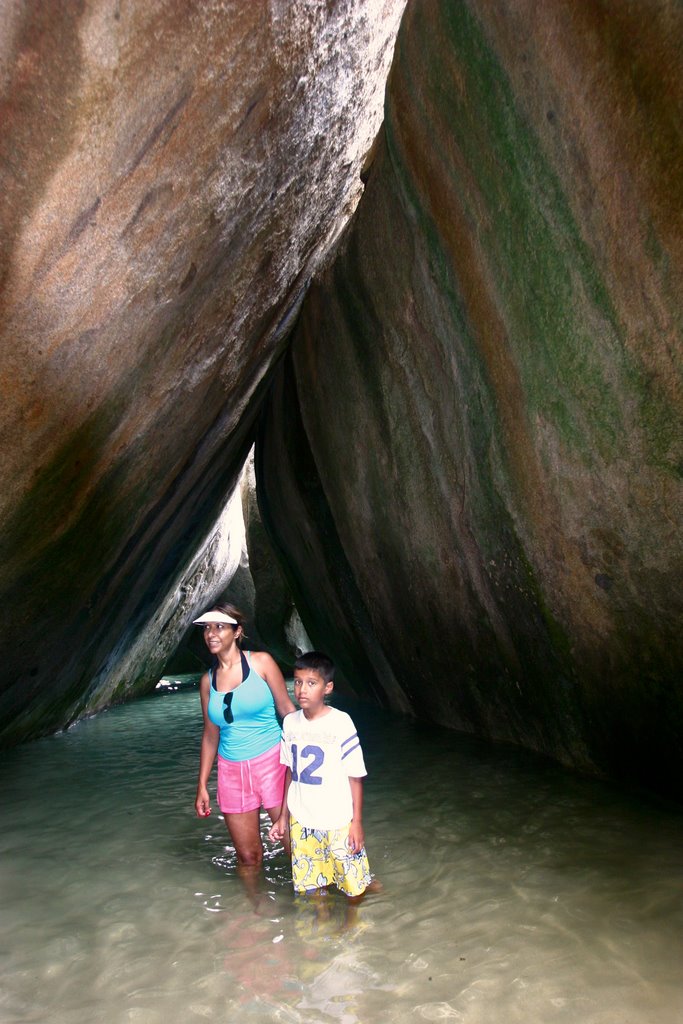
{"x":321,"y":857}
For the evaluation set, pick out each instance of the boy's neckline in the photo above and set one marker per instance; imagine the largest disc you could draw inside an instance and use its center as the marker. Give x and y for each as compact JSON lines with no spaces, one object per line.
{"x":324,"y":711}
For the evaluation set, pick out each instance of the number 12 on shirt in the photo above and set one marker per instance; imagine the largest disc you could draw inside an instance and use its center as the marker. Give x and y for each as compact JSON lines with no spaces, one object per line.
{"x":307,"y":775}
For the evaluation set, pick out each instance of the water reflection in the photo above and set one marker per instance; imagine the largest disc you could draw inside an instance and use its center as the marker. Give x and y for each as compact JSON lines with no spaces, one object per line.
{"x":513,"y":891}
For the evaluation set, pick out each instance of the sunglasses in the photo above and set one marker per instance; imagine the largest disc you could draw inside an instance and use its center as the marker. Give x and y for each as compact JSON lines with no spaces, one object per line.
{"x":227,"y":707}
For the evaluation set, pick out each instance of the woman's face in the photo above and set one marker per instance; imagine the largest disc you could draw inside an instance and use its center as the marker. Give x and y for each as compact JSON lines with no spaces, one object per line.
{"x":219,"y":636}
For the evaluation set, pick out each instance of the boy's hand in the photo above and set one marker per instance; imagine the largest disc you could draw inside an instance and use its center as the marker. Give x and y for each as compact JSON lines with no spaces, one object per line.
{"x":277,"y":829}
{"x":356,"y":840}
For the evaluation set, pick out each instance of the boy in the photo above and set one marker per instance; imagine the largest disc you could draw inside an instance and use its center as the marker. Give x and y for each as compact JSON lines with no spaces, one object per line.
{"x":323,"y":797}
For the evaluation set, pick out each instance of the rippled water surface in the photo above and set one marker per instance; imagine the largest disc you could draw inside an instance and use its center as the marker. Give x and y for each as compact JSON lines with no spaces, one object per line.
{"x":512,"y":891}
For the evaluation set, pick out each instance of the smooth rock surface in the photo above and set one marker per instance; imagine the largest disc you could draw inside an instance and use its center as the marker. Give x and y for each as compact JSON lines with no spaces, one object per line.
{"x":170,"y":176}
{"x":479,"y":429}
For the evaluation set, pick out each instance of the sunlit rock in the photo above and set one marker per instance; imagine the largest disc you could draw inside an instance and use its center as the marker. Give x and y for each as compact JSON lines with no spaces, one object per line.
{"x":249,"y":578}
{"x":478,"y":435}
{"x":170,"y":176}
{"x":214,"y":567}
{"x":277,"y":624}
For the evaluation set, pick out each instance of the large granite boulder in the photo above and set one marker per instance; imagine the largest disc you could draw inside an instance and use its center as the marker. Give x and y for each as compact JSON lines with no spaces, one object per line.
{"x":477,"y":433}
{"x":171,"y":174}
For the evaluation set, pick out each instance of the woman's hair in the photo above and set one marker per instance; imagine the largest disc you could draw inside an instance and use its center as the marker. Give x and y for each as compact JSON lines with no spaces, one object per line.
{"x":229,"y":609}
{"x":234,"y":613}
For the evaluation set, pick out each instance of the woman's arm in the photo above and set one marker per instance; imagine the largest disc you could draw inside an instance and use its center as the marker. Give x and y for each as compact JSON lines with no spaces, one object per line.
{"x":207,"y":754}
{"x":267,"y":668}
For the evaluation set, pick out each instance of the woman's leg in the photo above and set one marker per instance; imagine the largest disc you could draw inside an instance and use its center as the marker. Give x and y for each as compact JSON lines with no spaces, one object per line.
{"x":246,"y":837}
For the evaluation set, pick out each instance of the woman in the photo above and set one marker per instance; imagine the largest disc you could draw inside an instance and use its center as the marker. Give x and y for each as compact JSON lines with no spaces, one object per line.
{"x":241,"y":698}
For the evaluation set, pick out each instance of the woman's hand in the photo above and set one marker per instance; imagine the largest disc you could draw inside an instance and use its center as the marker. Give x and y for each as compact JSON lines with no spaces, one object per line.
{"x":202,"y":804}
{"x":278,"y":828}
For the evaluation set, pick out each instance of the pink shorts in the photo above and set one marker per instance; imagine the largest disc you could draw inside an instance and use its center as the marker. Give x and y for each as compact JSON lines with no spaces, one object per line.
{"x":249,"y":785}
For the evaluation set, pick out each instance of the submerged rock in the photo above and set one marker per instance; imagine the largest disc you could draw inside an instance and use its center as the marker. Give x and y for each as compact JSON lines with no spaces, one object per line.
{"x":479,"y":426}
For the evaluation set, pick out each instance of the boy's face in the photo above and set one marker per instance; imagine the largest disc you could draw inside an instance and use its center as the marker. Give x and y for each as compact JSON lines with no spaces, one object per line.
{"x":310,"y":689}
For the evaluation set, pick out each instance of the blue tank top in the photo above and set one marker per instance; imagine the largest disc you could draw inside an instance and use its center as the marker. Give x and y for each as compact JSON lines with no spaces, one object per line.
{"x":254,"y":728}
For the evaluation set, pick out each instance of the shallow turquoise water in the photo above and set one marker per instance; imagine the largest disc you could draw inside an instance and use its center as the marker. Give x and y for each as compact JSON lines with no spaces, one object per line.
{"x":513,"y":891}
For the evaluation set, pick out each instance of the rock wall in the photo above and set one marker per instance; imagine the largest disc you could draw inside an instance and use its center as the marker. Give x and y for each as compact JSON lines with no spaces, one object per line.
{"x":171,"y":173}
{"x":478,"y":429}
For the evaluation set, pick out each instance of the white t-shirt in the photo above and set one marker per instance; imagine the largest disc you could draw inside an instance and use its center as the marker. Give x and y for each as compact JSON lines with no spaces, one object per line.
{"x":322,"y":754}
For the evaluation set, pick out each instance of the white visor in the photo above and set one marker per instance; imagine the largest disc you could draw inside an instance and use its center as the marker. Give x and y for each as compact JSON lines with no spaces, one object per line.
{"x":214,"y":617}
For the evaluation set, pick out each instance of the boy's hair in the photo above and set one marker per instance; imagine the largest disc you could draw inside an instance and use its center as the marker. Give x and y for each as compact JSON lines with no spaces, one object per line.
{"x":317,"y":662}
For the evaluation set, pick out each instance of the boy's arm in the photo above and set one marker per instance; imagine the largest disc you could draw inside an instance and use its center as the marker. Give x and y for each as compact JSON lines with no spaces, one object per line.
{"x":278,"y":829}
{"x":356,"y":834}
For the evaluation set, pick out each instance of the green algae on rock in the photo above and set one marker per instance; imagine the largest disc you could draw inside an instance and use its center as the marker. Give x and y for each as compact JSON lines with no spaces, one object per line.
{"x":488,"y":385}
